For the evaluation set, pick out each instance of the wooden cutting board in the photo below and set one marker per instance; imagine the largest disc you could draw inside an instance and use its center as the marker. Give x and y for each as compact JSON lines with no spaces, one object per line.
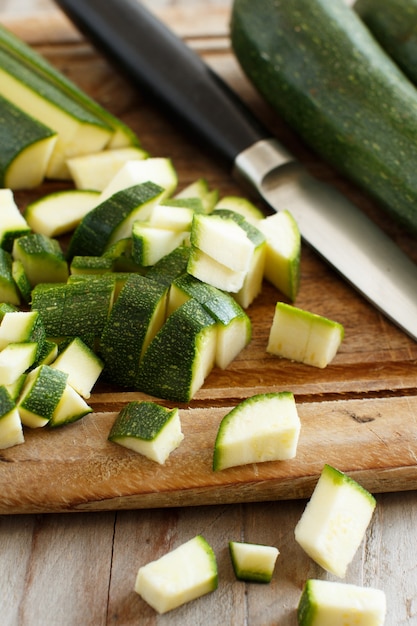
{"x":358,"y":414}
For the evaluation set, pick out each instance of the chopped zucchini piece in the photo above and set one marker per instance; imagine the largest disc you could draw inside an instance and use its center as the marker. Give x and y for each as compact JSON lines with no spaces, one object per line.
{"x":12,"y":223}
{"x":42,"y":391}
{"x":26,"y":148}
{"x":303,"y":336}
{"x":95,"y":171}
{"x":15,"y":359}
{"x":324,"y":602}
{"x":82,"y":365}
{"x":222,"y":239}
{"x":150,"y":244}
{"x":74,"y":309}
{"x":112,"y":219}
{"x":159,"y":171}
{"x":181,"y":355}
{"x":253,"y":562}
{"x":21,"y":326}
{"x":234,"y":329}
{"x":149,"y":429}
{"x":122,"y":345}
{"x":42,"y":258}
{"x":70,"y":408}
{"x":264,"y":427}
{"x":283,"y":252}
{"x":9,"y":291}
{"x":11,"y":432}
{"x":182,"y":575}
{"x":335,"y":520}
{"x":78,"y":130}
{"x":59,"y":212}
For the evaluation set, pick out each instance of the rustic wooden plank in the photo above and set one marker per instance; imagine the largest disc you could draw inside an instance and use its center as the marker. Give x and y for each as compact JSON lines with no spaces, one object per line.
{"x":77,"y":469}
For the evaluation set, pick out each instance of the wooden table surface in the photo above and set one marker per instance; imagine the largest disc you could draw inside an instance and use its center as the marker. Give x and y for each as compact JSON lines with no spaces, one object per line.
{"x":80,"y":568}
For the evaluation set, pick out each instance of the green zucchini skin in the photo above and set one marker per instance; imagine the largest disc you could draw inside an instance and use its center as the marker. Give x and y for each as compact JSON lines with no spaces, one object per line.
{"x":393,"y":23}
{"x":319,"y":67}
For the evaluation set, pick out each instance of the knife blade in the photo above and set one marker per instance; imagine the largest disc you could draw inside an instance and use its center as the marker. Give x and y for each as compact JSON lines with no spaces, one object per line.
{"x":155,"y":59}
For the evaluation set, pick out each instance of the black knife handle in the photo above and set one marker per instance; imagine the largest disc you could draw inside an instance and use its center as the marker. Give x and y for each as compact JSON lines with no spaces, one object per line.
{"x":159,"y":61}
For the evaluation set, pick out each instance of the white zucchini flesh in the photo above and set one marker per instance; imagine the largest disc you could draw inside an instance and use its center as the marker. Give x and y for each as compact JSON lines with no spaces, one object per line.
{"x":95,"y":171}
{"x":335,"y":521}
{"x":157,"y":170}
{"x":15,"y":359}
{"x":223,"y":240}
{"x":60,"y":212}
{"x":81,"y":364}
{"x":253,"y":562}
{"x":182,"y":575}
{"x":11,"y":431}
{"x":303,"y":336}
{"x":328,"y":603}
{"x":264,"y":427}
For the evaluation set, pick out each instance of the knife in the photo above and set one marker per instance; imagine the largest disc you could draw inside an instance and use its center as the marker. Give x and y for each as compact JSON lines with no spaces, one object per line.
{"x":156,"y":59}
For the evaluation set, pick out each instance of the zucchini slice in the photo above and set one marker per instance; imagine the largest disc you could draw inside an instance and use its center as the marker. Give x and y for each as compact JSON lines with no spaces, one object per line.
{"x":26,"y":147}
{"x":78,"y":130}
{"x":121,"y":136}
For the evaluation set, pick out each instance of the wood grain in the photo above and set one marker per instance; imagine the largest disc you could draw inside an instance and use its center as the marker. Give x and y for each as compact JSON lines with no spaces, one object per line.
{"x":373,"y":376}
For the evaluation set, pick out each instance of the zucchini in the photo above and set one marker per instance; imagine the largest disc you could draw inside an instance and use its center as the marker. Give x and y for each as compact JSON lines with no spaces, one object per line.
{"x":13,"y":224}
{"x":181,"y":354}
{"x":59,"y":212}
{"x":143,"y":303}
{"x":81,"y":364}
{"x":122,"y":135}
{"x":15,"y":359}
{"x":334,"y":522}
{"x":303,"y":336}
{"x":8,"y":289}
{"x":393,"y":23}
{"x":112,"y":219}
{"x":253,"y":562}
{"x":283,"y":252}
{"x":340,"y":604}
{"x":42,"y":391}
{"x":42,"y":258}
{"x":78,"y":130}
{"x":318,"y":66}
{"x":11,"y":432}
{"x":148,"y":429}
{"x":263,"y":427}
{"x":76,"y":309}
{"x":234,"y":328}
{"x":21,"y":326}
{"x":95,"y":171}
{"x":26,"y":147}
{"x":179,"y":576}
{"x":151,"y":243}
{"x":70,"y":408}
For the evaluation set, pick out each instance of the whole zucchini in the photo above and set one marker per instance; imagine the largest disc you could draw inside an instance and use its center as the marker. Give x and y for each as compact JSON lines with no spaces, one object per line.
{"x":394,"y":24}
{"x":318,"y":66}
